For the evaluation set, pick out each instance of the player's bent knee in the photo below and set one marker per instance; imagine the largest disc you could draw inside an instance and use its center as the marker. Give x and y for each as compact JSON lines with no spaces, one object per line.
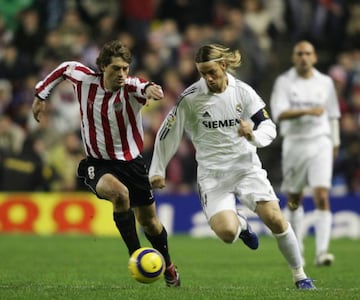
{"x":276,"y":223}
{"x":226,"y":235}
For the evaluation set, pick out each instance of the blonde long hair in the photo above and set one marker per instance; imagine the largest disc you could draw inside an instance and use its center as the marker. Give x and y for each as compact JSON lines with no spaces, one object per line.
{"x":215,"y":52}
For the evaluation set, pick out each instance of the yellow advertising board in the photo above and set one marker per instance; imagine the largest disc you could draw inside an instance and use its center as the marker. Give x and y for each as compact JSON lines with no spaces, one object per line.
{"x":52,"y":213}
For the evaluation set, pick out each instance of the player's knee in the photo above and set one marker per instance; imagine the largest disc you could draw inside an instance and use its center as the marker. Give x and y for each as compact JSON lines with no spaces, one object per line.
{"x":227,"y":235}
{"x":322,"y":204}
{"x":113,"y":190}
{"x":277,"y":223}
{"x":121,"y":198}
{"x":321,"y":198}
{"x":322,"y":201}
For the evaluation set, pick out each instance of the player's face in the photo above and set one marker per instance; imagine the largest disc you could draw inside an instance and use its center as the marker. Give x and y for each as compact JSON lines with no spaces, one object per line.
{"x":304,"y":58}
{"x":115,"y":73}
{"x":214,"y":75}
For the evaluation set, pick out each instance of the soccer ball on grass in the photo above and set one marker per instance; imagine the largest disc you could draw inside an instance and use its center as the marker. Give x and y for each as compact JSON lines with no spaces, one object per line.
{"x":146,"y":265}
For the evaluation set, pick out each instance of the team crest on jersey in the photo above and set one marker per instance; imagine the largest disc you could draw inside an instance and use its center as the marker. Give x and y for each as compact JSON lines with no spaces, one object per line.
{"x":238,"y":109}
{"x":170,"y":120}
{"x":117,"y":106}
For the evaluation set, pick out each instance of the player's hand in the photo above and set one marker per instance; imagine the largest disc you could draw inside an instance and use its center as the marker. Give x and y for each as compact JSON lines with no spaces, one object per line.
{"x":245,"y":130}
{"x":154,"y":92}
{"x":316,"y":111}
{"x":38,"y":108}
{"x":157,"y":182}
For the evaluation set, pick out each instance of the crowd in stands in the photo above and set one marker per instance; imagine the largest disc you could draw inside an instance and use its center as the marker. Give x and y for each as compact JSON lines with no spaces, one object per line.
{"x":37,"y":35}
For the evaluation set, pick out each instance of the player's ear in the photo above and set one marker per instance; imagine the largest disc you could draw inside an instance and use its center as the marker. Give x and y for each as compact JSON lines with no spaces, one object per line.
{"x":315,"y":58}
{"x":222,"y":65}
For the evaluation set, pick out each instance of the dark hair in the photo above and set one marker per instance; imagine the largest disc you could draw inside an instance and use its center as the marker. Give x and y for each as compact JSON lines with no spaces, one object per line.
{"x":112,"y":49}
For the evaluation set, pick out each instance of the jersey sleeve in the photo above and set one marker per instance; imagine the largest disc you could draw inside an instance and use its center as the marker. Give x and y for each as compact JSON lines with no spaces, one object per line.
{"x":264,"y":134}
{"x":168,"y":139}
{"x":278,"y":99}
{"x":70,"y":70}
{"x":138,"y":85}
{"x":332,"y":106}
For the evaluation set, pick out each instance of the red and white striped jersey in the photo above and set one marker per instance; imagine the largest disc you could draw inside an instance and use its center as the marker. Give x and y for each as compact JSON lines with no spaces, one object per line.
{"x":111,"y":122}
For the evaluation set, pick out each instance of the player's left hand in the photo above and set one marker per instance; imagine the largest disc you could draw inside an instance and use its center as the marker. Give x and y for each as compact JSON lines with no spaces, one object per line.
{"x":245,"y":130}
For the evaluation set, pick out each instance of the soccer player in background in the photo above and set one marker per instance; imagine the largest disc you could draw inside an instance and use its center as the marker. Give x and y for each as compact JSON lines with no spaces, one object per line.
{"x":111,"y":127}
{"x":305,"y":104}
{"x":227,"y":121}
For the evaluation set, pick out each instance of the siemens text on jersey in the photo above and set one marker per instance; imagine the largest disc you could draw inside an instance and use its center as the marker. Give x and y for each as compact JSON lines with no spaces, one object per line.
{"x":221,"y":123}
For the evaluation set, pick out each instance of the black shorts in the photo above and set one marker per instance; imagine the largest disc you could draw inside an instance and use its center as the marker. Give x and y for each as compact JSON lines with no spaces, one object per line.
{"x":133,"y":174}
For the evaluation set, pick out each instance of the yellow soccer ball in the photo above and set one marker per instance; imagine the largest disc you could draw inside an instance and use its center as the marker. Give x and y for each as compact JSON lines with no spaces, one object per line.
{"x":146,"y":265}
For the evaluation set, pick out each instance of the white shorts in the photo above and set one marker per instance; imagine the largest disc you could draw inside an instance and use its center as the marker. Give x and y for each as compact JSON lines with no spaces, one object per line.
{"x":306,"y":163}
{"x":219,"y":191}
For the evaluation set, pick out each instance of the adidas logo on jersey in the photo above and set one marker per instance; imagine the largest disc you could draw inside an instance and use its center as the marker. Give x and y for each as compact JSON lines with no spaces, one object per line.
{"x":206,"y":115}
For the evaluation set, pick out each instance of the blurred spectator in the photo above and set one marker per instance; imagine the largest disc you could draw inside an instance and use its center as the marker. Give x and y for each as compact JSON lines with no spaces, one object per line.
{"x":54,"y":10}
{"x":352,"y":37}
{"x":137,"y":17}
{"x":5,"y":95}
{"x":29,"y":35}
{"x":20,"y":106}
{"x":64,"y":109}
{"x":13,"y":66}
{"x":70,"y":26}
{"x":165,"y":38}
{"x":186,"y":12}
{"x":105,"y":29}
{"x":64,"y":159}
{"x":6,"y":35}
{"x":153,"y":65}
{"x":258,"y":18}
{"x":25,"y":171}
{"x":298,"y":18}
{"x":12,"y":136}
{"x":10,"y":10}
{"x":329,"y":23}
{"x":51,"y":52}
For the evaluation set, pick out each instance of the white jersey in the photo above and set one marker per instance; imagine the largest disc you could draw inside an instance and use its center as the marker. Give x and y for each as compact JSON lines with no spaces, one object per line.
{"x":111,"y":123}
{"x":292,"y":92}
{"x":212,"y":121}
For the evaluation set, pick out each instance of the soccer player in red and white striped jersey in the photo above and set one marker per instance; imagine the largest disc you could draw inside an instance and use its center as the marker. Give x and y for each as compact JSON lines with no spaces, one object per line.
{"x":111,"y":128}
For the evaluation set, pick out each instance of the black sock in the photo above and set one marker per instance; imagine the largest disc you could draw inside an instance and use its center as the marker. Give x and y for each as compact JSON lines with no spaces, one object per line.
{"x":125,"y":222}
{"x":160,"y":243}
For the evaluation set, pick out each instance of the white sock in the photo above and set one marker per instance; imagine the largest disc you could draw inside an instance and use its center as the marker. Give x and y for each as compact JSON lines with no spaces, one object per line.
{"x":243,"y":223}
{"x":237,"y":235}
{"x":296,"y":217}
{"x":242,"y":226}
{"x":323,"y":223}
{"x":289,"y":248}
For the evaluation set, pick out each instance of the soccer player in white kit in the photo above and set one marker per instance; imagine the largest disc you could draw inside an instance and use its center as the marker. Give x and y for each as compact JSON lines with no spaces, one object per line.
{"x":227,"y":121}
{"x":305,"y":104}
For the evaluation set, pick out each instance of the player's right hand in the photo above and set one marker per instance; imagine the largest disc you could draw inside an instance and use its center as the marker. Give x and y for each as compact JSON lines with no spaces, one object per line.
{"x":38,"y":108}
{"x":157,"y":182}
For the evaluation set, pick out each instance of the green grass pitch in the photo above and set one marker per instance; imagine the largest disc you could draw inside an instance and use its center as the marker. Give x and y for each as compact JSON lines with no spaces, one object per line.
{"x":89,"y":267}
